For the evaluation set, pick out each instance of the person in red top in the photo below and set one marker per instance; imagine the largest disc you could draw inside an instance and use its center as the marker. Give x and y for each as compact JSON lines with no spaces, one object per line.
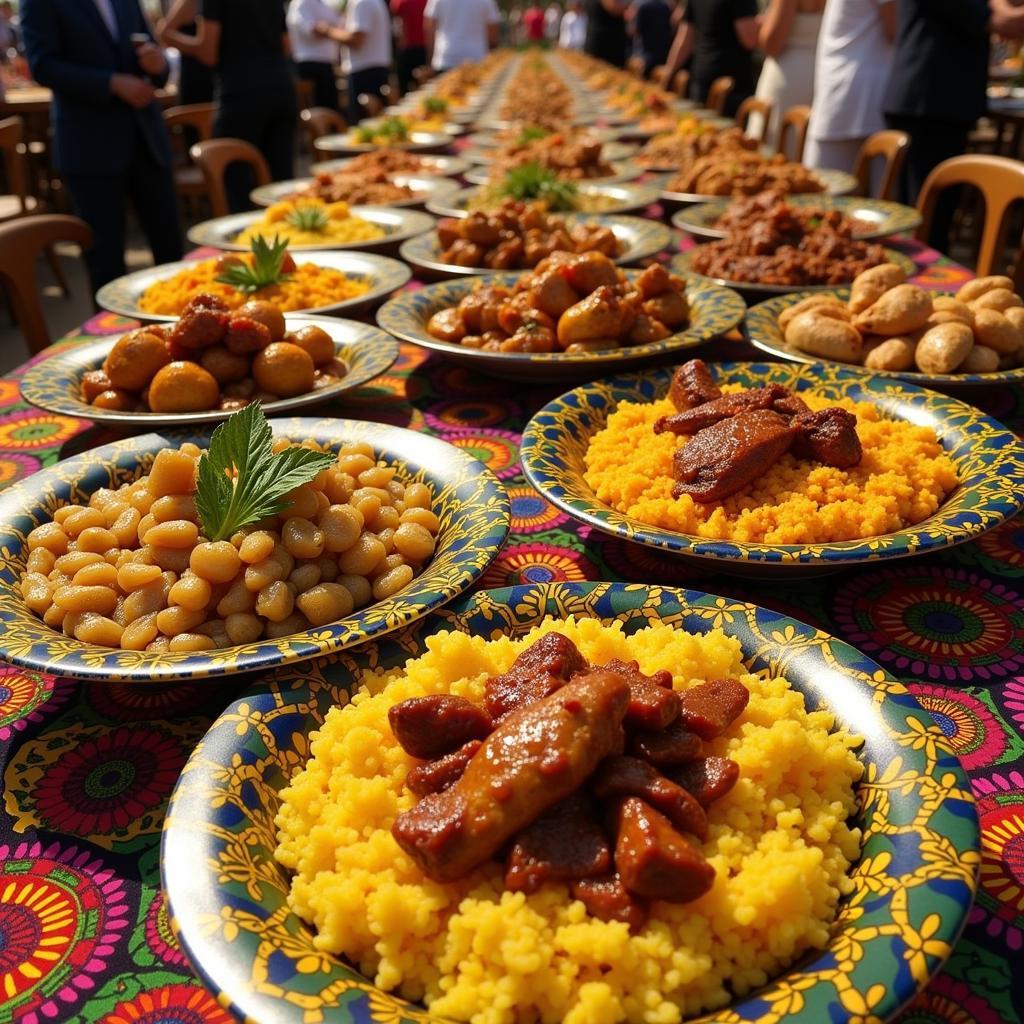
{"x":411,"y":52}
{"x":533,"y":22}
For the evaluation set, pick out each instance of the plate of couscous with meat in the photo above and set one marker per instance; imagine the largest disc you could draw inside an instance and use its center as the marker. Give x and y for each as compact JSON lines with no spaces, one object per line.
{"x":762,"y":467}
{"x":705,"y":808}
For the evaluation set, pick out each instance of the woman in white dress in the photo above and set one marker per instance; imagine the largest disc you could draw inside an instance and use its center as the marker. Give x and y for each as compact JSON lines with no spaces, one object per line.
{"x":788,"y":37}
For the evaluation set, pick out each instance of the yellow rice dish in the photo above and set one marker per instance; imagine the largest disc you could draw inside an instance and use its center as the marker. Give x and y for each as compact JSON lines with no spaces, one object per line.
{"x":311,"y":222}
{"x":902,"y":479}
{"x":779,"y":843}
{"x":308,"y":287}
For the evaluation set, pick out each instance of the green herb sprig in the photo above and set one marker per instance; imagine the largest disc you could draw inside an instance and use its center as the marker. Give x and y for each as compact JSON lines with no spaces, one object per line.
{"x":435,"y":105}
{"x":531,"y":133}
{"x":532,"y":181}
{"x":240,"y":479}
{"x":307,"y":217}
{"x":265,"y":269}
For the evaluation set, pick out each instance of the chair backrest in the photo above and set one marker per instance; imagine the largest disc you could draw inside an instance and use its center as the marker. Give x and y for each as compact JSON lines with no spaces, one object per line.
{"x":681,"y":83}
{"x":12,"y":148}
{"x":214,"y":156}
{"x":22,"y":240}
{"x":890,"y":146}
{"x":321,"y":121}
{"x":753,"y":105}
{"x":794,"y":122}
{"x":188,"y":125}
{"x":1000,"y":181}
{"x":718,"y":94}
{"x":635,"y":66}
{"x":658,"y":75}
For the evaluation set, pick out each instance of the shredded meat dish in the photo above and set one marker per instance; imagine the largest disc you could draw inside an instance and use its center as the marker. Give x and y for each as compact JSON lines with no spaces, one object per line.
{"x":577,"y":158}
{"x":355,"y":188}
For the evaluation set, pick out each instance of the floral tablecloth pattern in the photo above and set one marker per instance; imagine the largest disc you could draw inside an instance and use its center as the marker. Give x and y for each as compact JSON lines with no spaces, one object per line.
{"x":88,"y":768}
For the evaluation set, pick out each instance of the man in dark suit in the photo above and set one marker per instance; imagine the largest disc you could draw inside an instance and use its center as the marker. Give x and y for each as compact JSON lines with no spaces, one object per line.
{"x":937,"y":84}
{"x":110,"y":139}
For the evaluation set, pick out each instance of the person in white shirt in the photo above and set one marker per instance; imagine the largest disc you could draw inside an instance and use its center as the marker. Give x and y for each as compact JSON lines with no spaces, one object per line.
{"x":552,"y":20}
{"x":573,"y":31}
{"x":459,"y":31}
{"x":315,"y":55}
{"x":366,"y":59}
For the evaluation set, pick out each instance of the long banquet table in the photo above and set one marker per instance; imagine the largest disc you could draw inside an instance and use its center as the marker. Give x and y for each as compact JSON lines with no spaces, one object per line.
{"x":88,"y":768}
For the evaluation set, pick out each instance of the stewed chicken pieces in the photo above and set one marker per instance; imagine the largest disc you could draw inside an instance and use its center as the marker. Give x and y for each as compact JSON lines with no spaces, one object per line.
{"x":571,"y":302}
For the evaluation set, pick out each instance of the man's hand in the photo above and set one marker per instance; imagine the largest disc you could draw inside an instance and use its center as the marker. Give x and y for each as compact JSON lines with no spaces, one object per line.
{"x":151,"y":59}
{"x":134,"y":91}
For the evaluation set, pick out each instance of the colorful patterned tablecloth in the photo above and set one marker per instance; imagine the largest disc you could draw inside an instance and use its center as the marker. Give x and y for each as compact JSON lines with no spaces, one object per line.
{"x":87,"y":769}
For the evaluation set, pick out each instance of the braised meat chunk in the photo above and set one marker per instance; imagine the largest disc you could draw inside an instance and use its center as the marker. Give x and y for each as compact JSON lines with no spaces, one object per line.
{"x":693,"y":385}
{"x":669,"y":746}
{"x":608,"y":899}
{"x":428,"y":727}
{"x":627,"y":776}
{"x":540,"y":670}
{"x":697,"y":417}
{"x":707,"y":778}
{"x":710,"y":708}
{"x":653,"y":704}
{"x":828,"y":436}
{"x":441,"y":774}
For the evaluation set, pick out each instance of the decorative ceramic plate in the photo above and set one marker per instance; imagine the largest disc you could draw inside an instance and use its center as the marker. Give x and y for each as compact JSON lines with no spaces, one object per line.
{"x":424,"y":186}
{"x":345,"y":143}
{"x":472,"y":506}
{"x":54,"y":384}
{"x":837,"y":183}
{"x":397,"y":225}
{"x":762,"y":327}
{"x":383,"y":275}
{"x":441,"y":166}
{"x":488,"y":140}
{"x":622,"y":170}
{"x":912,"y":886}
{"x":642,"y":134}
{"x":713,"y":311}
{"x":989,"y":461}
{"x":873,"y":218}
{"x":620,"y":198}
{"x":682,"y":263}
{"x":640,"y":237}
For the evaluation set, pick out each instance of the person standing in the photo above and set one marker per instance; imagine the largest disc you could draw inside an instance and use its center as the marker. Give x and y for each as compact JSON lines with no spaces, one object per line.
{"x":652,"y":27}
{"x":412,"y":53}
{"x":315,"y":55}
{"x":366,"y":38}
{"x":788,"y":37}
{"x":459,"y":31}
{"x":246,"y":43}
{"x":850,"y":70}
{"x":533,"y":23}
{"x":606,"y":37}
{"x":195,"y":79}
{"x":721,"y":36}
{"x":110,"y":142}
{"x":936,"y":89}
{"x":552,"y":22}
{"x":572,"y":33}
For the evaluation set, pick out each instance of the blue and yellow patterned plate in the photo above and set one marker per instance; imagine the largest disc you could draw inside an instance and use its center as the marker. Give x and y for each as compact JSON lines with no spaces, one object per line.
{"x":713,"y":311}
{"x":472,"y":506}
{"x":762,"y":328}
{"x":621,"y":198}
{"x":55,"y":383}
{"x":639,"y":237}
{"x":383,"y":275}
{"x":873,"y":218}
{"x":913,"y":885}
{"x":989,"y":461}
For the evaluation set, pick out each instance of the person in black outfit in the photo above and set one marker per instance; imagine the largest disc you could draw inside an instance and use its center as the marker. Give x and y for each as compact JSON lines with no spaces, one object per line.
{"x":606,"y":31}
{"x":652,"y":25}
{"x":246,"y":43}
{"x":721,"y":36}
{"x":109,"y":136}
{"x":937,"y":86}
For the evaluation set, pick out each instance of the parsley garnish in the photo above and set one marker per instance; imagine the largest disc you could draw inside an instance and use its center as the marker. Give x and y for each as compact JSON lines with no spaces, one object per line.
{"x":241,"y":481}
{"x":265,"y":269}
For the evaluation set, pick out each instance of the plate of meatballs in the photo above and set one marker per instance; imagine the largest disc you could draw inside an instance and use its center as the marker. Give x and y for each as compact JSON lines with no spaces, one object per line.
{"x":208,"y":364}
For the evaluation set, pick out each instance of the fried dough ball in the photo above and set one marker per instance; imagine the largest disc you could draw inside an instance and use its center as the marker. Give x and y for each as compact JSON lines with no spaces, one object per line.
{"x":244,"y":334}
{"x":266,"y":314}
{"x":94,"y":382}
{"x":183,"y":387}
{"x":199,"y":328}
{"x":316,"y":341}
{"x":225,"y":365}
{"x":116,"y":399}
{"x":283,"y":369}
{"x":135,"y":358}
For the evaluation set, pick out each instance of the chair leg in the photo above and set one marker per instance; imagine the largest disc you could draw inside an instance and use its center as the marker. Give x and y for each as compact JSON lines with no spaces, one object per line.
{"x":58,"y":271}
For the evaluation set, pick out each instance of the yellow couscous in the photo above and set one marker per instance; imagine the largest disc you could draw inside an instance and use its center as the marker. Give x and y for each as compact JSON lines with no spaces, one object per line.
{"x":902,"y":479}
{"x":308,"y":287}
{"x":311,"y":222}
{"x":779,"y":842}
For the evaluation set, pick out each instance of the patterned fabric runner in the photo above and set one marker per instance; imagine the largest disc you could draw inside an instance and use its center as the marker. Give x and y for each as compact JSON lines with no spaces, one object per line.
{"x":88,"y":768}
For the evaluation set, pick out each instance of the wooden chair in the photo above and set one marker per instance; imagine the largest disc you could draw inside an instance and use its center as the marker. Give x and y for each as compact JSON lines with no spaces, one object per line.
{"x":1000,"y":182}
{"x":718,"y":94}
{"x":321,"y":121}
{"x":659,"y":74}
{"x":214,"y":156}
{"x":890,"y":146}
{"x":750,"y":106}
{"x":22,"y":241}
{"x":794,"y":121}
{"x":635,"y":66}
{"x":188,"y":125}
{"x":681,"y":83}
